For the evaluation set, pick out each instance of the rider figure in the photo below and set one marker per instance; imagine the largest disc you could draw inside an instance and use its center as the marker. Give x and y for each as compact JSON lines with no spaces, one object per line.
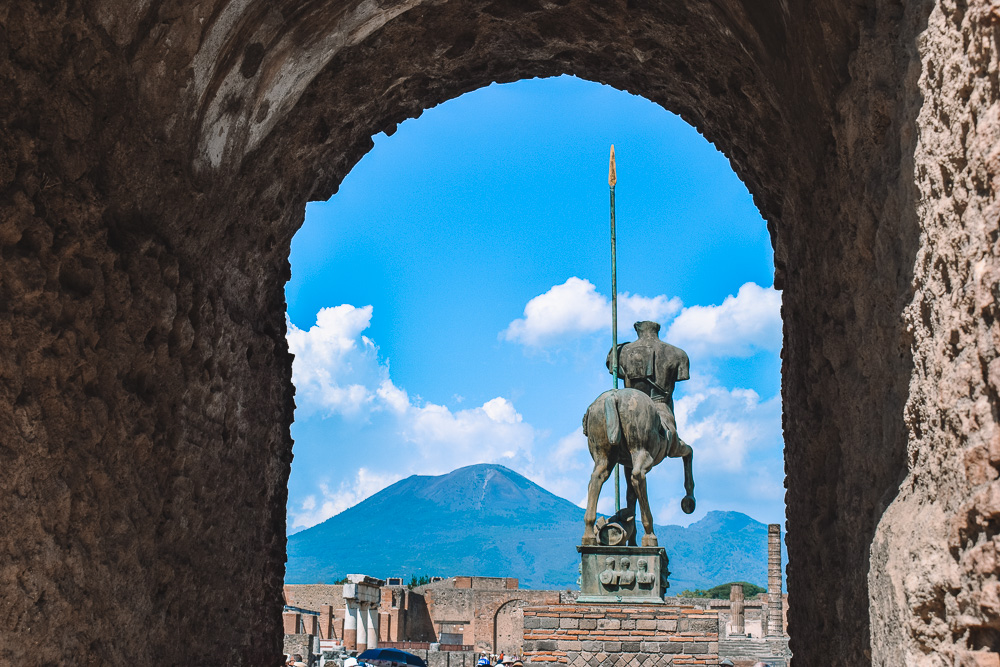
{"x":653,"y":367}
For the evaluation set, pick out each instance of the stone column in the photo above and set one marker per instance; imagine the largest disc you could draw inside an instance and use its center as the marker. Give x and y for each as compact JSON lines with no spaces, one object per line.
{"x":351,"y":626}
{"x":362,"y":626}
{"x":774,"y":616}
{"x":736,"y":609}
{"x":372,"y":626}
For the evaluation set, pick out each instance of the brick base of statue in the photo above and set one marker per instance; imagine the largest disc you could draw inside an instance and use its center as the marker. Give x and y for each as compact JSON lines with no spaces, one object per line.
{"x":624,"y":635}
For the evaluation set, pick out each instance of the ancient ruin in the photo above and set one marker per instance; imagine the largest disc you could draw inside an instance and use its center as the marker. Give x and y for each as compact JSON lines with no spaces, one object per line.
{"x":458,"y":615}
{"x":155,"y":161}
{"x":453,"y":621}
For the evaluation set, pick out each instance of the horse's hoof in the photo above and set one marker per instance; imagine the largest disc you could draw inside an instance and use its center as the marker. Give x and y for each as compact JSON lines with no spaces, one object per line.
{"x":687,"y":504}
{"x":649,"y":541}
{"x":589,"y":541}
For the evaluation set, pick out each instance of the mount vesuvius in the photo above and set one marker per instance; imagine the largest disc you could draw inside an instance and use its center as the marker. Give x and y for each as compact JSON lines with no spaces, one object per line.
{"x":488,"y":520}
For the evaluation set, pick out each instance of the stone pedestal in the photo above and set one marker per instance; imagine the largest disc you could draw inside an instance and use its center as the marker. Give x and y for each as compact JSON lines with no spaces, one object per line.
{"x":633,"y":575}
{"x":623,"y":635}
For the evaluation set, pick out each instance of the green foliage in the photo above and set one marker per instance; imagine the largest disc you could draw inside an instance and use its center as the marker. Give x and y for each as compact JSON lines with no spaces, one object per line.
{"x":342,"y":580}
{"x":414,"y":581}
{"x":721,"y":592}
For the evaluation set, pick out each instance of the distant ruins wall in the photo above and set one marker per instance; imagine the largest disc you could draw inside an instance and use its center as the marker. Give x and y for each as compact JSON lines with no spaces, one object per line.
{"x":314,"y":596}
{"x":473,"y":603}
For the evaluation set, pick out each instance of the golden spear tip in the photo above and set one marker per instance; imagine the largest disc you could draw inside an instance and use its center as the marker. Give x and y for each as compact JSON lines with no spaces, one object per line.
{"x":612,"y":177}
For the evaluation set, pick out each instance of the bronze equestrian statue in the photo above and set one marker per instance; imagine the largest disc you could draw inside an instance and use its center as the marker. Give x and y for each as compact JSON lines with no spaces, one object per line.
{"x":635,"y":426}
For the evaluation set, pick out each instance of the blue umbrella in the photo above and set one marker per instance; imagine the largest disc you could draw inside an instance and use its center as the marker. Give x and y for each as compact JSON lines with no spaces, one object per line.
{"x":392,"y":655}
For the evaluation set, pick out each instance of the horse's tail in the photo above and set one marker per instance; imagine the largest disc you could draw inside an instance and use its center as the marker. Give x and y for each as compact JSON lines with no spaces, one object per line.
{"x":612,"y":422}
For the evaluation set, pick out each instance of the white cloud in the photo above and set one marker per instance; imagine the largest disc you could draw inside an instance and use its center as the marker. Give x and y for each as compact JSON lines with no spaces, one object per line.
{"x":738,"y":327}
{"x":575,"y":307}
{"x":335,"y":367}
{"x":492,"y":433}
{"x":570,"y":452}
{"x":395,"y":398}
{"x":313,"y":510}
{"x":724,"y":425}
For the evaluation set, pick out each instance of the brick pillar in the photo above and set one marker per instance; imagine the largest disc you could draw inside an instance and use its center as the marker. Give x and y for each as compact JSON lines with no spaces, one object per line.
{"x":351,"y":627}
{"x":338,"y":624}
{"x":309,"y":623}
{"x":362,"y":627}
{"x":774,"y":616}
{"x":384,"y":627}
{"x":326,"y":622}
{"x":736,"y":609}
{"x":290,"y":621}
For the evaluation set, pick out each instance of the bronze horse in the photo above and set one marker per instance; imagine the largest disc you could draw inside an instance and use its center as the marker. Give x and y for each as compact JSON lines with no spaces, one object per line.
{"x":626,"y":426}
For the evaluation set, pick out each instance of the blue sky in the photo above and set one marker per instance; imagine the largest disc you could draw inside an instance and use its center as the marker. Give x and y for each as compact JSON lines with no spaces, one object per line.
{"x":450,"y":304}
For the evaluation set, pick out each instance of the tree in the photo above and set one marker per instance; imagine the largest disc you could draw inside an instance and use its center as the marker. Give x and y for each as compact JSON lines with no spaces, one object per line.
{"x":721,"y":592}
{"x":414,"y":582}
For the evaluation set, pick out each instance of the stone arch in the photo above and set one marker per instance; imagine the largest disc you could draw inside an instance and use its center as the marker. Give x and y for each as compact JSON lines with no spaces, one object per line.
{"x":508,"y":627}
{"x":155,"y":163}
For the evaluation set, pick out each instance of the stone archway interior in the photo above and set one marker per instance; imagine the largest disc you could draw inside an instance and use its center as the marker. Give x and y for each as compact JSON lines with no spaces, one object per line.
{"x":157,"y":159}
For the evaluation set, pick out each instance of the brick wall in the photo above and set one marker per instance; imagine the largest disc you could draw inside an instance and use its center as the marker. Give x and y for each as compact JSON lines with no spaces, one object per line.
{"x":648,"y":635}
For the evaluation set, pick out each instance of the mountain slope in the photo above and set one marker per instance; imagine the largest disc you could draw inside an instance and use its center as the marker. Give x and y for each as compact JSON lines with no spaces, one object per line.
{"x":488,"y":520}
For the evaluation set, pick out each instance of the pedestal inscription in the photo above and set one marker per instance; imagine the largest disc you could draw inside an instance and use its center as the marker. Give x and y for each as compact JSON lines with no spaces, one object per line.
{"x":623,"y":574}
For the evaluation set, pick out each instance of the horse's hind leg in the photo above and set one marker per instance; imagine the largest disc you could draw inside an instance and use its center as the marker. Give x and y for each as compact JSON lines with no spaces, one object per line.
{"x":687,"y":455}
{"x":602,"y":470}
{"x":642,"y":463}
{"x":630,"y":498}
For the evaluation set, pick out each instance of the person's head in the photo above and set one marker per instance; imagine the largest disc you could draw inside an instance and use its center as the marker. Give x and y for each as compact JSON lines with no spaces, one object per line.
{"x":626,"y":563}
{"x":642,"y":564}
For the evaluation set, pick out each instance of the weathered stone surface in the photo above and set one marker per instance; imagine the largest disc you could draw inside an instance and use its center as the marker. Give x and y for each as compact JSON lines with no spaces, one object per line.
{"x":622,"y":573}
{"x":934,"y":573}
{"x":155,"y":159}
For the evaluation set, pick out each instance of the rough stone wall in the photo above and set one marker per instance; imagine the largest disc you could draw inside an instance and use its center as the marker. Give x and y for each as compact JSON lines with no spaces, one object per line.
{"x":155,"y":160}
{"x":298,"y":644}
{"x":937,"y":551}
{"x":419,"y":626}
{"x":508,"y":628}
{"x":144,"y":380}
